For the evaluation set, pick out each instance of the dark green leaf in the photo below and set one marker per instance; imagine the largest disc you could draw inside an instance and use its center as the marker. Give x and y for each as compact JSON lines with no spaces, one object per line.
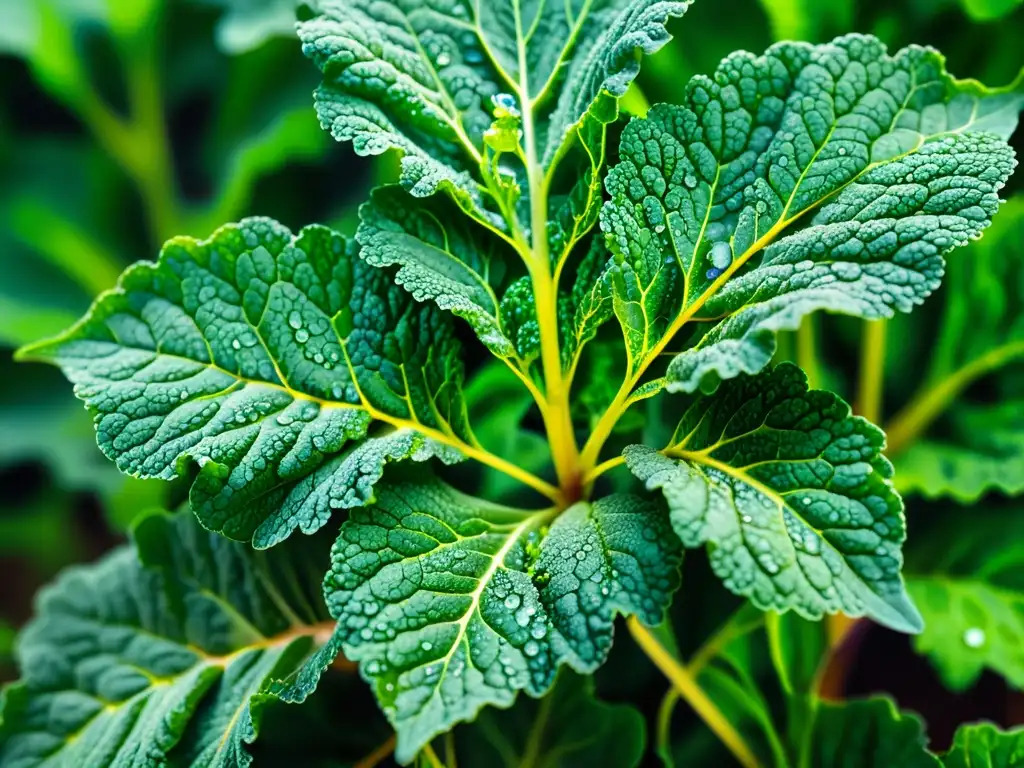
{"x":451,"y":603}
{"x":983,"y":745}
{"x":265,"y":358}
{"x":868,"y":167}
{"x":162,"y":656}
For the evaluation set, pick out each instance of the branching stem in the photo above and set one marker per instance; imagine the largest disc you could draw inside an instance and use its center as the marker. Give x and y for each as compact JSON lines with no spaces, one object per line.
{"x":688,"y":687}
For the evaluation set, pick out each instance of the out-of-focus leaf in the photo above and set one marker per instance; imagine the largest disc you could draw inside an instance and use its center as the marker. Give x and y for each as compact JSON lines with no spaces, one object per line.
{"x":978,"y":445}
{"x":989,"y":10}
{"x":247,"y":24}
{"x":568,"y":728}
{"x":868,"y":733}
{"x":166,"y":652}
{"x":498,"y":403}
{"x":983,"y":745}
{"x":812,"y":21}
{"x":967,"y":578}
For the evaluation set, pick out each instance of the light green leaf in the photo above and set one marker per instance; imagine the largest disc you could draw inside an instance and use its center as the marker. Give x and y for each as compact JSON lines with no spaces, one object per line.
{"x":248,"y":24}
{"x":791,"y":495}
{"x":161,"y":657}
{"x":813,"y":177}
{"x":866,"y":734}
{"x":263,"y":357}
{"x":983,"y":745}
{"x":451,"y":603}
{"x":988,"y":10}
{"x":443,"y":257}
{"x":568,"y":728}
{"x":420,"y":76}
{"x":946,"y":442}
{"x":968,"y":581}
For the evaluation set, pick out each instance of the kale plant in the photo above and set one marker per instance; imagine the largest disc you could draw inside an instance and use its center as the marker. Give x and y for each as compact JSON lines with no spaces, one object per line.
{"x":629,"y":277}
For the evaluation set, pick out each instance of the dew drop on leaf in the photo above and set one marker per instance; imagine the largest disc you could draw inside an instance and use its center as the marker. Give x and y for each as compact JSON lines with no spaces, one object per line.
{"x":974,"y":637}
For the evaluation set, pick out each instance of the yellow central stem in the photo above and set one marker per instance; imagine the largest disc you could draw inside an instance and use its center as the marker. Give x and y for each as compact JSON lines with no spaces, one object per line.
{"x":556,"y":412}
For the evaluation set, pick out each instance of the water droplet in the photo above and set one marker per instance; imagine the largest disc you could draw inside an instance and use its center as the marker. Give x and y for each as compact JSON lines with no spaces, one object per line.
{"x":512,"y":602}
{"x":295,"y":320}
{"x":538,"y":630}
{"x":184,"y":394}
{"x":805,"y":500}
{"x":842,"y":150}
{"x":236,"y":344}
{"x":713,"y":273}
{"x":783,"y":161}
{"x":721,"y":255}
{"x":690,"y":180}
{"x":284,"y":420}
{"x":748,"y":519}
{"x":660,"y":228}
{"x":426,"y":646}
{"x":443,"y":60}
{"x":302,"y":335}
{"x":974,"y":637}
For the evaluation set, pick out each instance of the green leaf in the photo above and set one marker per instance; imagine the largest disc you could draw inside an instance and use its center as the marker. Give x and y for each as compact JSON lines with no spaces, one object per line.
{"x":983,"y":745}
{"x":568,"y":728}
{"x":444,"y":257}
{"x":969,"y":586}
{"x":591,"y":302}
{"x":421,"y":76}
{"x":248,"y":24}
{"x":450,"y":603}
{"x":866,"y":734}
{"x":164,"y":657}
{"x":791,"y":495}
{"x":949,"y":442}
{"x":265,"y":358}
{"x":988,"y":10}
{"x":813,"y":177}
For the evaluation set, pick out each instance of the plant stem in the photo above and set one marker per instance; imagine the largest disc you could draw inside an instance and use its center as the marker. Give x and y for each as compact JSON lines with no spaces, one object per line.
{"x":688,"y":688}
{"x":432,"y":758}
{"x":558,"y":418}
{"x":872,"y":370}
{"x":807,"y":351}
{"x":930,"y":402}
{"x":378,"y":755}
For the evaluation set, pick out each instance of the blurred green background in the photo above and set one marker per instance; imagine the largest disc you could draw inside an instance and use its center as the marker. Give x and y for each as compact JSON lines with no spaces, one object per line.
{"x":126,"y":122}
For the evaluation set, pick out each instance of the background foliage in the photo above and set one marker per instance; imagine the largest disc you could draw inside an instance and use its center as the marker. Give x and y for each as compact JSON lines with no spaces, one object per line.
{"x":122,"y":124}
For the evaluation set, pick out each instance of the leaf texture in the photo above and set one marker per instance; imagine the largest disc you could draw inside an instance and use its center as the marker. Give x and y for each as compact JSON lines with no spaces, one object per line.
{"x":812,"y":177}
{"x":281,"y":364}
{"x":868,"y":733}
{"x":161,"y":657}
{"x":791,"y":495}
{"x":450,"y":603}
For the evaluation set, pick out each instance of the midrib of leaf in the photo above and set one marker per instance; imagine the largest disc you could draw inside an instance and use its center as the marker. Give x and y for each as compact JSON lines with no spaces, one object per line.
{"x":737,"y":474}
{"x":447,"y":438}
{"x":931,"y":401}
{"x":497,"y":561}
